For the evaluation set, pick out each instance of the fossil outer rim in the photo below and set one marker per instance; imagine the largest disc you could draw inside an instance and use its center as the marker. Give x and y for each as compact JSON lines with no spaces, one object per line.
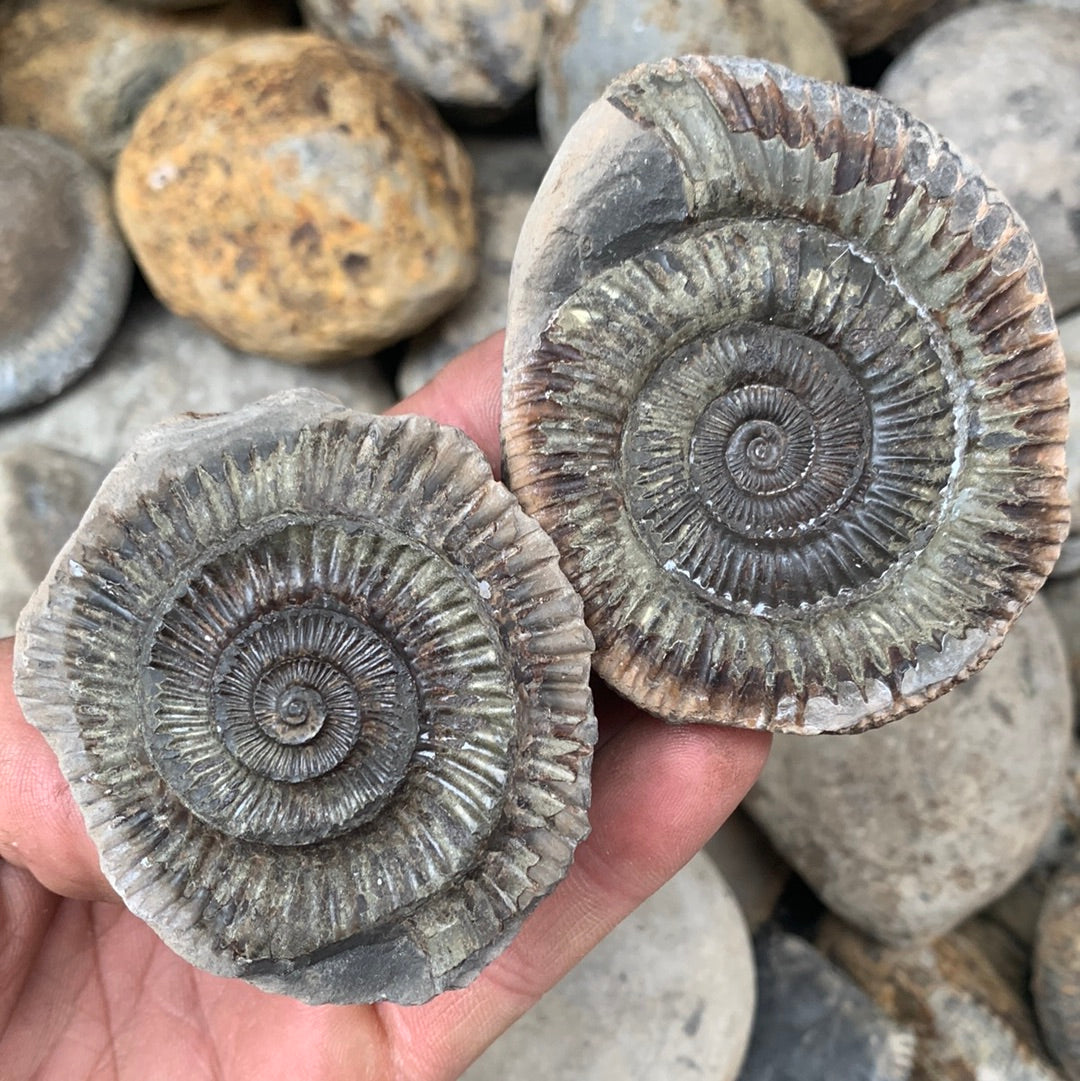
{"x":706,"y":145}
{"x":431,"y":915}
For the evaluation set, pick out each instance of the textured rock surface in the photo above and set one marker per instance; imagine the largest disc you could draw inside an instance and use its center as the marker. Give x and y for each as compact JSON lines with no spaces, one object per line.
{"x":812,"y":1023}
{"x":508,"y":172}
{"x":477,"y":54}
{"x":595,"y":40}
{"x":64,"y":270}
{"x":321,"y":693}
{"x":1056,"y":977}
{"x":43,"y":493}
{"x":1001,"y":82}
{"x":859,"y":25}
{"x":297,"y":198}
{"x":83,"y":71}
{"x":907,"y":830}
{"x":750,"y":866}
{"x":970,"y":1023}
{"x":668,"y":994}
{"x":159,"y":365}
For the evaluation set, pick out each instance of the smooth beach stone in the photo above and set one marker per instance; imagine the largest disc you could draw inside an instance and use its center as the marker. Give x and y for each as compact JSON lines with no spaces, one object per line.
{"x":508,"y":172}
{"x":297,"y":198}
{"x":1069,"y":561}
{"x":598,"y":39}
{"x":909,"y":829}
{"x":1001,"y":82}
{"x":970,"y":1023}
{"x":159,"y":365}
{"x":1056,"y":977}
{"x":942,"y":9}
{"x":859,"y":25}
{"x":668,"y":994}
{"x":751,"y":867}
{"x":474,"y":54}
{"x":84,"y":71}
{"x":43,"y":493}
{"x":813,"y":1024}
{"x":65,"y":274}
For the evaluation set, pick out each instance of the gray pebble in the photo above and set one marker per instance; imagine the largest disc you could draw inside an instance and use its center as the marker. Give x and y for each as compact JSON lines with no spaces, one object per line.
{"x":668,"y":994}
{"x":1056,"y":978}
{"x":598,"y":39}
{"x":813,"y":1024}
{"x":43,"y":493}
{"x":1001,"y":82}
{"x":908,"y":829}
{"x":159,"y":365}
{"x":64,"y":271}
{"x":474,"y":54}
{"x":508,"y":172}
{"x":750,"y":865}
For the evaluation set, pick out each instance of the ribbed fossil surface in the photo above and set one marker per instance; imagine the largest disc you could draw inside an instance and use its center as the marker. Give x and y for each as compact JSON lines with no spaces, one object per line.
{"x":321,"y":691}
{"x":783,"y":385}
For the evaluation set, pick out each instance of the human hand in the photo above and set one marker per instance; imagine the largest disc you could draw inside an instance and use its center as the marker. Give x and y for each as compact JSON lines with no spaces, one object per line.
{"x":88,"y":991}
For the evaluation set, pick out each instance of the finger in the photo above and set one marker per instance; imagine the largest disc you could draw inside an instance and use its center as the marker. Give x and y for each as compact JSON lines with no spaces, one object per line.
{"x":466,"y":394}
{"x":41,"y":828}
{"x":660,"y":792}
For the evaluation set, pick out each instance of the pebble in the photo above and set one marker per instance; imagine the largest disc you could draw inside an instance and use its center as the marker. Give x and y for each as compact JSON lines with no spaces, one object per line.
{"x":859,"y":25}
{"x":814,"y":1024}
{"x":65,"y":274}
{"x":159,"y":365}
{"x":84,"y":71}
{"x":43,"y":494}
{"x":477,"y":55}
{"x":1069,"y":561}
{"x":970,"y":1024}
{"x":294,"y":196}
{"x":668,"y":994}
{"x":751,"y":866}
{"x":1002,"y":83}
{"x":598,"y":39}
{"x":1056,"y":976}
{"x":508,"y":172}
{"x":908,"y":829}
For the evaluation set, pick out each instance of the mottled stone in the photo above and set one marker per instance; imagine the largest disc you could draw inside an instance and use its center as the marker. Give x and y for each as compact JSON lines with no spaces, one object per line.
{"x":474,"y":54}
{"x":751,"y":867}
{"x":1002,"y":84}
{"x":859,"y":25}
{"x":159,"y":365}
{"x":64,"y":271}
{"x":297,"y":198}
{"x":942,"y":9}
{"x":84,"y":71}
{"x":598,"y":39}
{"x":970,"y":1023}
{"x":907,"y":830}
{"x":668,"y":994}
{"x":508,"y":172}
{"x":43,"y":493}
{"x":1063,"y":597}
{"x":812,"y":1023}
{"x":1056,"y":976}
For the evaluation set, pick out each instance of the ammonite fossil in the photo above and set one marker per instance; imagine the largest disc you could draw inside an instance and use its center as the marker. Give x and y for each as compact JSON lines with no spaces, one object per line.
{"x":783,"y":385}
{"x":321,"y":692}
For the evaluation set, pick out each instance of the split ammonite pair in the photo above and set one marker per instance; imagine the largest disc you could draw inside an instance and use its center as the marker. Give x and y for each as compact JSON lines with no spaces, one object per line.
{"x":784,"y":391}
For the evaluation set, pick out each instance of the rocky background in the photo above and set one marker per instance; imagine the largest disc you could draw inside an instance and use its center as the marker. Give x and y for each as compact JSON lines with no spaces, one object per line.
{"x":900,"y":905}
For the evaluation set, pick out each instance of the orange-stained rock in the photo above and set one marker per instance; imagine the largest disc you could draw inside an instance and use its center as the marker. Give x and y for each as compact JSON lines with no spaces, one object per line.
{"x":83,"y":71}
{"x":298,"y":199}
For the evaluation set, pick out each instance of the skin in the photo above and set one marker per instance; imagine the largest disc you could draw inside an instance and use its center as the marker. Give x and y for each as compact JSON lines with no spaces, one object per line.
{"x":88,"y":991}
